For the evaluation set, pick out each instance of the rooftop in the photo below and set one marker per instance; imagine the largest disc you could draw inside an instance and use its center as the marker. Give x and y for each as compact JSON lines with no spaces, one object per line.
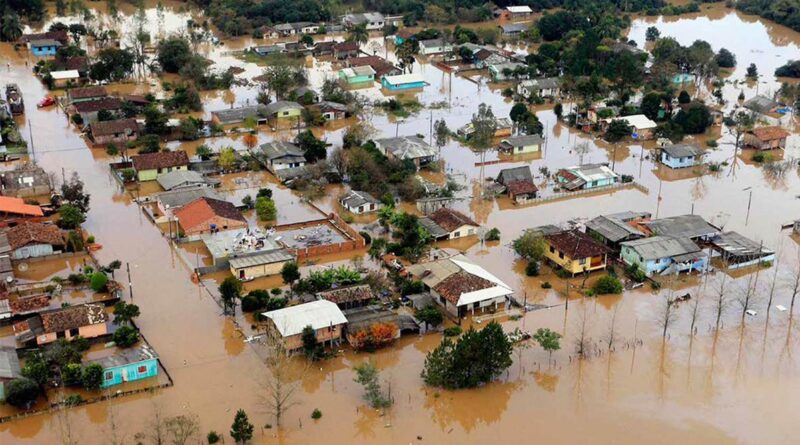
{"x":87,"y":92}
{"x":17,"y":206}
{"x":34,"y":233}
{"x":355,"y":198}
{"x":279,"y":149}
{"x":361,"y":70}
{"x":406,"y":147}
{"x":318,"y":314}
{"x":657,"y":247}
{"x":615,"y":227}
{"x":45,"y":42}
{"x":240,"y":242}
{"x":472,"y":281}
{"x":683,"y":150}
{"x":685,"y":226}
{"x":405,"y":78}
{"x":162,"y":159}
{"x":108,"y":103}
{"x":348,"y":294}
{"x":127,"y":357}
{"x":182,"y":178}
{"x":278,"y":106}
{"x":450,"y":219}
{"x":201,"y":210}
{"x":71,"y":317}
{"x":235,"y":115}
{"x":65,"y":74}
{"x":524,"y":140}
{"x":761,"y":104}
{"x":770,"y":133}
{"x":182,"y":196}
{"x":732,"y":244}
{"x":102,"y":128}
{"x":637,"y":121}
{"x":576,"y":244}
{"x":9,"y":363}
{"x":271,"y":257}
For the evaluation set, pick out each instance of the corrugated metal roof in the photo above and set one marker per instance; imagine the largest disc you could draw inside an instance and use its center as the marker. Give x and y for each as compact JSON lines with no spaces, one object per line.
{"x":318,"y":314}
{"x":657,"y":247}
{"x":275,"y":256}
{"x":9,"y":363}
{"x":687,"y":226}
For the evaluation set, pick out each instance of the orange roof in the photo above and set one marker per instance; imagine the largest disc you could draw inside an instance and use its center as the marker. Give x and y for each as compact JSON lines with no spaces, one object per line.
{"x":201,"y":210}
{"x":17,"y":206}
{"x":770,"y":133}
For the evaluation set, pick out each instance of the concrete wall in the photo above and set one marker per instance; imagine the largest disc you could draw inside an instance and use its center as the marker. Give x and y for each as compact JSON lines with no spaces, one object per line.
{"x":461,"y":232}
{"x":261,"y":270}
{"x":91,"y":331}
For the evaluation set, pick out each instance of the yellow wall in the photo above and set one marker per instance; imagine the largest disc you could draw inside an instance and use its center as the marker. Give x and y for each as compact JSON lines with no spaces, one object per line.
{"x":572,"y":266}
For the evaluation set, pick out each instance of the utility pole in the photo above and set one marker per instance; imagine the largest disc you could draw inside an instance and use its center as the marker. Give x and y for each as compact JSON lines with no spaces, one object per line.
{"x":30,"y":133}
{"x":749,"y":201}
{"x":430,"y":136}
{"x":130,"y":283}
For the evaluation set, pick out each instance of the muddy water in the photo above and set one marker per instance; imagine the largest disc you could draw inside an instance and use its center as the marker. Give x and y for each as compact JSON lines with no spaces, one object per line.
{"x":735,"y":387}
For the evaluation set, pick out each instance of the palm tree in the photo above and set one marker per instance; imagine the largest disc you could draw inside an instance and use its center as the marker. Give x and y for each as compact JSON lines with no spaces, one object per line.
{"x":11,"y":29}
{"x":359,"y":34}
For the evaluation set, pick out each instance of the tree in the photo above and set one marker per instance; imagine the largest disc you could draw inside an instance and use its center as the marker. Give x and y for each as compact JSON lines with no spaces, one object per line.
{"x":21,"y":393}
{"x":668,"y":315}
{"x":430,"y":316}
{"x":204,"y":152}
{"x":652,"y":34}
{"x":752,"y":71}
{"x":684,"y":98}
{"x":230,"y":290}
{"x":92,"y":377}
{"x":290,"y":273}
{"x":548,"y":340}
{"x":70,"y":217}
{"x":477,"y":357}
{"x":265,"y":209}
{"x":155,"y":123}
{"x":182,"y":428}
{"x":607,"y":285}
{"x":617,"y":130}
{"x":313,"y":148}
{"x":368,"y":376}
{"x":312,"y":349}
{"x":124,"y":313}
{"x":173,"y":54}
{"x":651,"y":105}
{"x":37,"y":368}
{"x":241,"y":429}
{"x":405,"y":53}
{"x":725,"y":58}
{"x":99,"y":281}
{"x":227,"y":158}
{"x":484,"y":126}
{"x":71,"y":374}
{"x":441,"y":133}
{"x":112,"y":64}
{"x":125,"y":336}
{"x":11,"y":27}
{"x":359,"y":34}
{"x":694,"y":120}
{"x":530,"y":246}
{"x":72,"y":192}
{"x":519,"y":112}
{"x":739,"y":123}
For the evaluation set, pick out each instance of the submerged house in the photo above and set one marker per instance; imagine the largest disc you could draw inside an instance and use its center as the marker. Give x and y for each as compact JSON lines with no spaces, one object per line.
{"x":503,"y":128}
{"x":434,"y":46}
{"x":26,"y":181}
{"x":446,"y":223}
{"x":518,"y":183}
{"x":323,"y":316}
{"x":586,"y":177}
{"x":348,"y":297}
{"x":371,"y":20}
{"x":575,"y":251}
{"x":737,"y":251}
{"x":283,"y":109}
{"x":87,"y":320}
{"x":118,"y":131}
{"x":663,"y":255}
{"x":766,"y":138}
{"x":239,"y":114}
{"x":357,"y":75}
{"x":33,"y":239}
{"x":524,"y":144}
{"x":86,"y":94}
{"x":261,"y":264}
{"x":88,"y":110}
{"x":460,"y":286}
{"x":618,"y":227}
{"x":359,"y":202}
{"x":642,"y":127}
{"x":179,"y":179}
{"x":506,"y":71}
{"x":331,"y":111}
{"x":150,"y":166}
{"x":681,"y":155}
{"x":128,"y":365}
{"x":44,"y":47}
{"x":413,"y":148}
{"x":693,"y":227}
{"x":542,"y":87}
{"x":403,"y":82}
{"x":280,"y":155}
{"x":381,"y":66}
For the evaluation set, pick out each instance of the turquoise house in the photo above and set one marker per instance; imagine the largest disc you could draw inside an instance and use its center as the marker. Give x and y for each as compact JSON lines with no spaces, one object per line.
{"x":403,"y":82}
{"x":44,"y":47}
{"x":357,"y":74}
{"x":129,"y":365}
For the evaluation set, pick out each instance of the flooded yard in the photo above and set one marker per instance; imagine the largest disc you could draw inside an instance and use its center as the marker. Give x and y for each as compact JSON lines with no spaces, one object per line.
{"x":738,"y":385}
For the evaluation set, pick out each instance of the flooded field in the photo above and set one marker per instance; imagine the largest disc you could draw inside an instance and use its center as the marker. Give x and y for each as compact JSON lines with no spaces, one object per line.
{"x":735,"y":386}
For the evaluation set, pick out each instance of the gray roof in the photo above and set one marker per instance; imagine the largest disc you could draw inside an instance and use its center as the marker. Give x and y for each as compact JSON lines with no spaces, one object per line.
{"x":433,"y":228}
{"x":357,"y":198}
{"x":9,"y":363}
{"x":542,"y":83}
{"x":280,"y":149}
{"x":547,"y":229}
{"x":45,"y":42}
{"x":657,"y":247}
{"x":182,"y":178}
{"x":127,"y":357}
{"x":406,"y":147}
{"x":683,"y":150}
{"x":524,"y":140}
{"x":287,"y":174}
{"x":733,"y":244}
{"x":363,"y":317}
{"x":761,"y":104}
{"x":278,"y":106}
{"x":364,"y":17}
{"x":514,"y":28}
{"x":431,"y":43}
{"x":236,"y":115}
{"x":273,"y":256}
{"x":688,"y":226}
{"x":614,"y":227}
{"x":180,"y":197}
{"x":332,"y":105}
{"x":522,"y":173}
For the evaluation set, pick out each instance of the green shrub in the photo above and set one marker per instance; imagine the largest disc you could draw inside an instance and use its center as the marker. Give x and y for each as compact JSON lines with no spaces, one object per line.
{"x":125,"y":336}
{"x":712,"y":143}
{"x":73,"y":400}
{"x":635,"y":273}
{"x":92,"y":377}
{"x":532,"y":269}
{"x":71,"y":374}
{"x":21,"y":392}
{"x":212,"y":437}
{"x":493,"y":234}
{"x":762,"y":157}
{"x":99,"y":282}
{"x":607,"y":285}
{"x":453,"y":331}
{"x":546,"y":285}
{"x":316,"y":414}
{"x":90,"y":239}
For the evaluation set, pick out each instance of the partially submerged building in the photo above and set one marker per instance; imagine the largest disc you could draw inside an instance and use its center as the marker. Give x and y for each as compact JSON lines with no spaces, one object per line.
{"x":280,"y":155}
{"x":586,"y":177}
{"x":642,"y":127}
{"x":413,"y":148}
{"x":26,"y":181}
{"x":737,"y":251}
{"x":766,"y":138}
{"x":359,"y":202}
{"x":663,"y":255}
{"x":128,"y":365}
{"x":460,"y":286}
{"x":9,"y":368}
{"x":522,"y":144}
{"x":150,"y":166}
{"x":693,"y":227}
{"x":87,"y":320}
{"x":446,"y":223}
{"x":348,"y":297}
{"x":518,"y":183}
{"x":120,"y":131}
{"x":33,"y":239}
{"x":209,"y":215}
{"x":575,"y":251}
{"x":681,"y":155}
{"x":615,"y":228}
{"x":324,"y":317}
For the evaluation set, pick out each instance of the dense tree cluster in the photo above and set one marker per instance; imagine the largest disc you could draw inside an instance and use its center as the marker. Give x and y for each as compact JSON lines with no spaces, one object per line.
{"x":783,"y":12}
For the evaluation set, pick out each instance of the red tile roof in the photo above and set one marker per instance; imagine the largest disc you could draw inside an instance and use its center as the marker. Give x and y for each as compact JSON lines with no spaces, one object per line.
{"x":452,"y":287}
{"x":201,"y":210}
{"x":770,"y":133}
{"x":109,"y":103}
{"x":450,"y":220}
{"x":379,"y":64}
{"x":73,"y":317}
{"x":38,"y":233}
{"x":114,"y":127}
{"x":576,"y":244}
{"x":162,"y":159}
{"x":88,"y":92}
{"x":521,"y":187}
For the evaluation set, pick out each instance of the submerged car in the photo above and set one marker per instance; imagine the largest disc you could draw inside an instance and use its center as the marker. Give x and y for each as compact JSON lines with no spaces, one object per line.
{"x":46,"y":102}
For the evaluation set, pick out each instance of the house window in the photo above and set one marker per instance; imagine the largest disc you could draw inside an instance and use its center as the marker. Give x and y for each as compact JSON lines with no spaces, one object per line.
{"x":552,"y":249}
{"x":109,"y":375}
{"x":456,"y":234}
{"x":561,"y":255}
{"x":61,"y":334}
{"x":73,"y":332}
{"x":141,"y":369}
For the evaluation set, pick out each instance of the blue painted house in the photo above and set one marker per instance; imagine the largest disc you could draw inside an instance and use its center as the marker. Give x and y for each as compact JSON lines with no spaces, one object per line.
{"x":586,"y":176}
{"x":403,"y":82}
{"x":44,"y":47}
{"x":681,"y":155}
{"x":663,"y":255}
{"x":129,"y":365}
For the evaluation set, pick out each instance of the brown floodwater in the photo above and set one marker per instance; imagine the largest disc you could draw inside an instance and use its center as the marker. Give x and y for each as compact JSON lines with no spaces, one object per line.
{"x":739,"y":385}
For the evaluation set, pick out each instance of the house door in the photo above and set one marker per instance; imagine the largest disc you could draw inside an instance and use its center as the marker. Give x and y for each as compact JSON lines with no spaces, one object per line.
{"x":241,"y":274}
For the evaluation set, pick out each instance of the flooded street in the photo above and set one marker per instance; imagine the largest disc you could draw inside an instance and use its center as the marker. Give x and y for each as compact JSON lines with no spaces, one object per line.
{"x":737,"y":386}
